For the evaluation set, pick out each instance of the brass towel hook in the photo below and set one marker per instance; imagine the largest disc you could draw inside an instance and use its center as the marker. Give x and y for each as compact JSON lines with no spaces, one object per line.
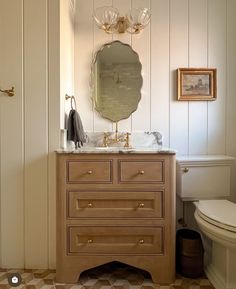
{"x":72,"y":98}
{"x":68,"y":96}
{"x":9,"y":92}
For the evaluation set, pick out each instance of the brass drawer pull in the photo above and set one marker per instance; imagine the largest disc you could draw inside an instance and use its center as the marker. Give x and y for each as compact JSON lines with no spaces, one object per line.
{"x":141,"y":205}
{"x":90,"y":205}
{"x":141,"y":172}
{"x":141,"y":241}
{"x":186,"y":170}
{"x":89,"y":172}
{"x":90,"y":241}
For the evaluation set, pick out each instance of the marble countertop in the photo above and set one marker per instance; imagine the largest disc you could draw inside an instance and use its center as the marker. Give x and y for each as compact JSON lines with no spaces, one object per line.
{"x":140,"y":142}
{"x":117,"y":150}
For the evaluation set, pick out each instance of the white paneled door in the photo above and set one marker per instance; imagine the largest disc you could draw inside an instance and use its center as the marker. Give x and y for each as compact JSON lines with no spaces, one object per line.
{"x":28,"y":131}
{"x":11,"y":135}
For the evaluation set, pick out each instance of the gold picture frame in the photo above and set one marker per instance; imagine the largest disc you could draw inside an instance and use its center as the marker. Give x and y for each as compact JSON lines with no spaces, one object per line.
{"x":196,"y":84}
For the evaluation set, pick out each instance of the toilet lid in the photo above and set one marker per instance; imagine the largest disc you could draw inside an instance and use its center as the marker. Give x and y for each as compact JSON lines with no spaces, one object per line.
{"x":221,"y":213}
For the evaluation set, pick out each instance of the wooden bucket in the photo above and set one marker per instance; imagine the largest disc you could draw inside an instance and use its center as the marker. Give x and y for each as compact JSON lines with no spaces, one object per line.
{"x":189,"y":253}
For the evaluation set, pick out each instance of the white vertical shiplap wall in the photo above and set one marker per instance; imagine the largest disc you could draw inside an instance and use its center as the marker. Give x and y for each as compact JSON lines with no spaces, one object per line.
{"x":178,"y":53}
{"x":66,"y":55}
{"x":160,"y":92}
{"x":231,"y":78}
{"x":217,"y":56}
{"x":183,"y":33}
{"x":198,"y":57}
{"x":36,"y":134}
{"x":83,"y":58}
{"x":231,"y":88}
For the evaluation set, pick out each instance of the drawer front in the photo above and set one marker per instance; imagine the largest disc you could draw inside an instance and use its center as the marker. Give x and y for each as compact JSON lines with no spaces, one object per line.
{"x":115,"y":204}
{"x":141,"y":171}
{"x":89,"y":171}
{"x":116,"y":240}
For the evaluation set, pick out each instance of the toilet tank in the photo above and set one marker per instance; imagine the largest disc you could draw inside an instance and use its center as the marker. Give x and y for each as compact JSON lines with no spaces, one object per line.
{"x":203,"y":177}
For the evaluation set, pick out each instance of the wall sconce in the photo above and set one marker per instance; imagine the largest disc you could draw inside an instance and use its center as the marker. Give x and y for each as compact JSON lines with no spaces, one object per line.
{"x":109,"y":20}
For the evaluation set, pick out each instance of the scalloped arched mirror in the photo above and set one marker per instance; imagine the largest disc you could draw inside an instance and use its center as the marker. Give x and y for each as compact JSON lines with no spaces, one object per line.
{"x":116,"y":81}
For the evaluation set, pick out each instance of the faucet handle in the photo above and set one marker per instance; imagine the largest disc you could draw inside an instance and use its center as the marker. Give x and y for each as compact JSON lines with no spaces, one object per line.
{"x":127,"y":139}
{"x":105,"y":139}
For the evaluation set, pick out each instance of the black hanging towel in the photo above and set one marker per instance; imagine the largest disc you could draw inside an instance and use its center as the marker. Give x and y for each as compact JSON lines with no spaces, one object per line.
{"x":75,"y":131}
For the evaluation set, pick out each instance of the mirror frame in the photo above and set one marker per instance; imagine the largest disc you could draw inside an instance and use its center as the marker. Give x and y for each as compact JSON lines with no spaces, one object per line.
{"x":92,"y":77}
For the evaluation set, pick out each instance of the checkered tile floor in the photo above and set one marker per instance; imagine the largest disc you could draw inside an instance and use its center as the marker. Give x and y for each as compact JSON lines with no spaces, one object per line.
{"x":109,"y":276}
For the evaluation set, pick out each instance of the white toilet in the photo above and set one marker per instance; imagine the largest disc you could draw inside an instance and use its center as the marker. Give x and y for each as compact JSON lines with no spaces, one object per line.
{"x":206,"y":181}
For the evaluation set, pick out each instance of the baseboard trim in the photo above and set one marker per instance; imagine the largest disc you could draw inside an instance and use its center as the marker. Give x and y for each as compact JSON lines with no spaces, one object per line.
{"x":214,"y":278}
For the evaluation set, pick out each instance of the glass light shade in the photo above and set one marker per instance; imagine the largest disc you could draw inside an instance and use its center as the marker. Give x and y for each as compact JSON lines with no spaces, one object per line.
{"x":106,"y":17}
{"x":138,"y":19}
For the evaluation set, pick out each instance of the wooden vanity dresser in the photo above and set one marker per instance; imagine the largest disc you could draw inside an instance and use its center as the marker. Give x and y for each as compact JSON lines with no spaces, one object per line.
{"x":116,"y":207}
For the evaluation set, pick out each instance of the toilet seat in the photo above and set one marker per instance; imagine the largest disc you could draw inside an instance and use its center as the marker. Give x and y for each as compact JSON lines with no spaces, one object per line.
{"x":221,"y":213}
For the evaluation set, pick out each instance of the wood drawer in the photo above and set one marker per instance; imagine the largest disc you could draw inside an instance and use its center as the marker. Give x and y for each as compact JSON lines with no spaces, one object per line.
{"x":150,"y":171}
{"x":89,"y":171}
{"x":115,"y":240}
{"x":115,"y":204}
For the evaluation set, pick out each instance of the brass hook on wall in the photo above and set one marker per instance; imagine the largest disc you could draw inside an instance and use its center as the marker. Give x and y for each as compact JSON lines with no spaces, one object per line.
{"x":68,"y":96}
{"x":72,"y":98}
{"x":9,"y":92}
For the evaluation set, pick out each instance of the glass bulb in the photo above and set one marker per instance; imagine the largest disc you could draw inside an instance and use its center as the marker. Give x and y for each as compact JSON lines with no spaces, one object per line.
{"x":138,"y":19}
{"x":106,"y":17}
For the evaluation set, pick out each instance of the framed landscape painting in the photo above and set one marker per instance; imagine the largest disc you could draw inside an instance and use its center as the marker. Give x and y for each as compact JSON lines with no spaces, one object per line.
{"x":196,"y":83}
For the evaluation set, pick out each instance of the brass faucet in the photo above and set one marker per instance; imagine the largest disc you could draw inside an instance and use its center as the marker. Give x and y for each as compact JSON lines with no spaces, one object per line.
{"x":107,"y":140}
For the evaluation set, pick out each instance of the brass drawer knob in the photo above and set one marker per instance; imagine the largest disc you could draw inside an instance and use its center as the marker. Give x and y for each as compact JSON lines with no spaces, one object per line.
{"x":186,"y":170}
{"x":141,"y":205}
{"x":90,"y":241}
{"x":141,"y":172}
{"x":141,"y":241}
{"x":89,"y":172}
{"x":90,"y":205}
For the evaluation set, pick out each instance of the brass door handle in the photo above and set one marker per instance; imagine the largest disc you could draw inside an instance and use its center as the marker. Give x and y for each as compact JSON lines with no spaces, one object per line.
{"x":9,"y":92}
{"x":186,"y":170}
